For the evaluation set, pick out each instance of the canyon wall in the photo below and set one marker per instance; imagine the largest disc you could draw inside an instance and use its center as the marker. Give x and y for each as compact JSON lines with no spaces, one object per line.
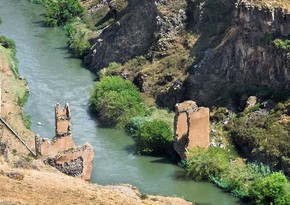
{"x":131,"y":35}
{"x":244,"y":55}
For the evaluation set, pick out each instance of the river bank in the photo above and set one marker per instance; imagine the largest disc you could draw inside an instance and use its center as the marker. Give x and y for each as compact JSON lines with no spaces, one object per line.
{"x":54,"y":187}
{"x":54,"y":77}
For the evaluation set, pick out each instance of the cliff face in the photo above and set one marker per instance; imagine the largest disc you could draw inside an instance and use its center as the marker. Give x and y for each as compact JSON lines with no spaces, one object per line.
{"x":132,"y":34}
{"x":244,"y":55}
{"x":229,"y":43}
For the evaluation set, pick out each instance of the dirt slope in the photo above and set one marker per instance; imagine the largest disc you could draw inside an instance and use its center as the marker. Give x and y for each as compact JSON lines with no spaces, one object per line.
{"x":43,"y":184}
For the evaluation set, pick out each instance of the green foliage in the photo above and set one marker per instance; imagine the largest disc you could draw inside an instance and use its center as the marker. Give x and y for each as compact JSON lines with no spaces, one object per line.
{"x":10,"y":44}
{"x":238,"y":177}
{"x":7,"y":43}
{"x":116,"y":101}
{"x":134,"y":125}
{"x":154,"y":138}
{"x":270,"y":190}
{"x":265,"y":134}
{"x":78,"y":38}
{"x":282,"y":44}
{"x":219,"y":114}
{"x":254,"y":108}
{"x":60,"y":12}
{"x":205,"y":163}
{"x":27,"y":120}
{"x":22,"y":100}
{"x":36,"y":1}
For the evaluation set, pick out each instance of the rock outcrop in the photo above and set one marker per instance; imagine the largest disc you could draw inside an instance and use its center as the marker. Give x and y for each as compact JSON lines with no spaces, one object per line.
{"x":61,"y":152}
{"x":131,"y":35}
{"x":191,"y":127}
{"x":244,"y":55}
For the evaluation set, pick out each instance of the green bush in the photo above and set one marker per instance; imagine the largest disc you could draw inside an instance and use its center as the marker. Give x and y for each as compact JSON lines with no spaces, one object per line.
{"x":282,"y":44}
{"x":206,"y":163}
{"x":250,"y":131}
{"x":116,"y":101}
{"x":154,"y":138}
{"x":60,"y":12}
{"x":270,"y":190}
{"x":134,"y":125}
{"x":237,"y":178}
{"x":78,"y":38}
{"x":7,"y":43}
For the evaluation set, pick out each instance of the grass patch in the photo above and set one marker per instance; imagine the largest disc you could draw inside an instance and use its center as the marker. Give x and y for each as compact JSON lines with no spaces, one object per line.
{"x":8,"y":49}
{"x":27,"y":120}
{"x":23,"y":99}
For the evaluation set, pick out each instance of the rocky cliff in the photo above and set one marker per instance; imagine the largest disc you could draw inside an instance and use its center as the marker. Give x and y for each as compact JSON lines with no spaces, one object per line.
{"x":221,"y":44}
{"x":244,"y":55}
{"x":131,"y":34}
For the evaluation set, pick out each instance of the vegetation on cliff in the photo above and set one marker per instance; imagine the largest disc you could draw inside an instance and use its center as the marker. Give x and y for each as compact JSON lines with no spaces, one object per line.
{"x":161,"y":72}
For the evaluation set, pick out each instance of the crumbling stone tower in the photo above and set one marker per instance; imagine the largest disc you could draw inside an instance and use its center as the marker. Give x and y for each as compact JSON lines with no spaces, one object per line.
{"x":62,"y":121}
{"x":191,"y":127}
{"x":61,"y":152}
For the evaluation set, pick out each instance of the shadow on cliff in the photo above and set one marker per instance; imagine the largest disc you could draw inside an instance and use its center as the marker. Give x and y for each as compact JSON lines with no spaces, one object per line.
{"x":208,"y":21}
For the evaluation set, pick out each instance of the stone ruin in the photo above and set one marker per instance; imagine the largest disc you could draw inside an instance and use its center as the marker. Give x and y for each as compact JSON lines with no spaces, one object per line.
{"x":191,"y":127}
{"x":61,"y":152}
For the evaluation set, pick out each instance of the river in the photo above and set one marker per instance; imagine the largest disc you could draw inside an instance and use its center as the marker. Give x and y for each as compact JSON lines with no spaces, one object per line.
{"x":54,"y":76}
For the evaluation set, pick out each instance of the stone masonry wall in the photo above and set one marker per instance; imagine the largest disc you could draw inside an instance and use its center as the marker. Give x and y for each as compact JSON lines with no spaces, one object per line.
{"x":191,"y":127}
{"x":61,"y":152}
{"x":63,"y":139}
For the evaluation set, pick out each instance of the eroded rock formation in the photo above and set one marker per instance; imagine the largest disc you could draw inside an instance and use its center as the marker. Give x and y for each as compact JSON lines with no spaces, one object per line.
{"x":61,"y":152}
{"x":244,"y":55}
{"x":131,"y":35}
{"x":191,"y":127}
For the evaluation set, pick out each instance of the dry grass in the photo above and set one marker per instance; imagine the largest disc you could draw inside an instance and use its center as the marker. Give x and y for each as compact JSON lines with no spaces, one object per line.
{"x":12,"y":90}
{"x":284,"y":4}
{"x":43,"y":187}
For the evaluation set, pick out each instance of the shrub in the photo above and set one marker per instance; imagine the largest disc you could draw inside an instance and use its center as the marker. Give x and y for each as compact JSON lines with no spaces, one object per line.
{"x":154,"y":138}
{"x":270,"y":190}
{"x":78,"y":38}
{"x":7,"y":43}
{"x":60,"y":12}
{"x":206,"y":163}
{"x":237,"y":177}
{"x":282,"y":44}
{"x":116,"y":101}
{"x":134,"y":125}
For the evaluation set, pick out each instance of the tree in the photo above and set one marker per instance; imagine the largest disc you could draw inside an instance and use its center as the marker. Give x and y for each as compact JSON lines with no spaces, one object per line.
{"x":116,"y":101}
{"x":60,"y":12}
{"x":270,"y":190}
